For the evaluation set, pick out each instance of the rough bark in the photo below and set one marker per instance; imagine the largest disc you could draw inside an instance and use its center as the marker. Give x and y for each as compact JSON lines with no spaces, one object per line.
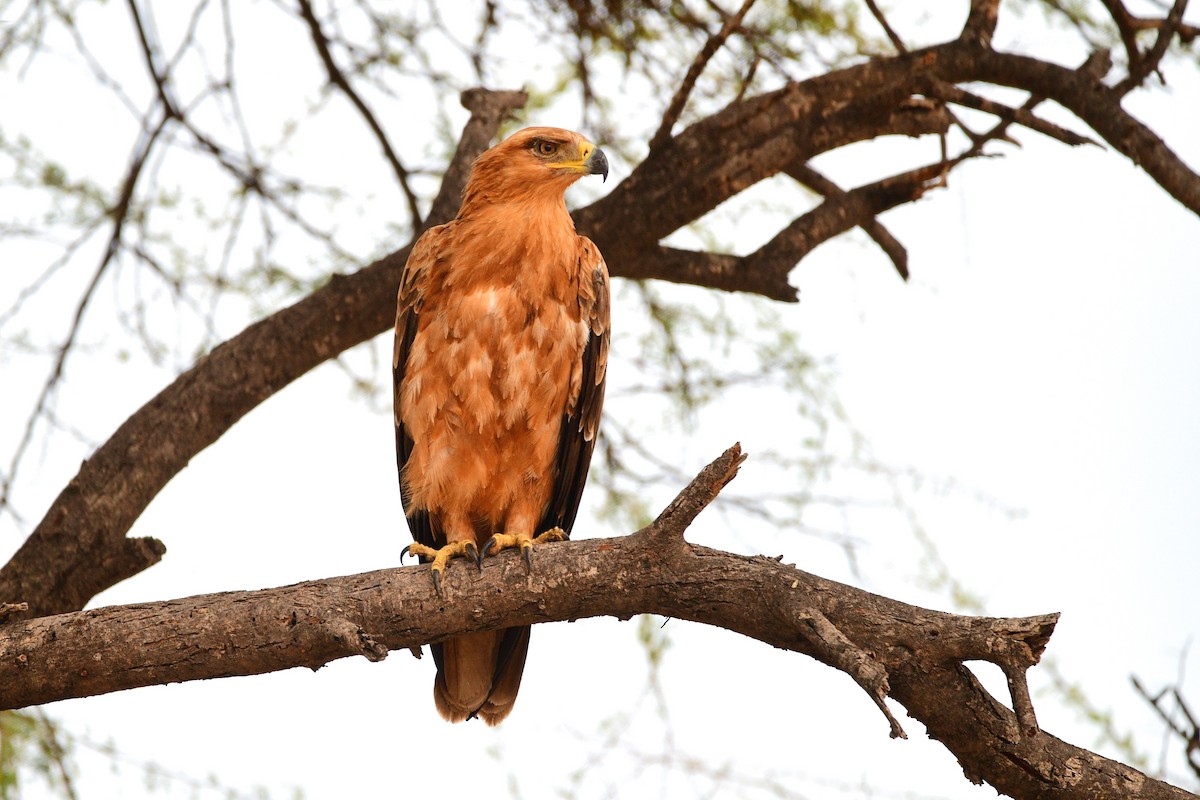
{"x":911,"y":654}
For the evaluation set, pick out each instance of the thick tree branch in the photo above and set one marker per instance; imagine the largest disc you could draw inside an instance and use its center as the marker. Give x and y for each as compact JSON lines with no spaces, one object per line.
{"x":913,"y":654}
{"x":722,"y":155}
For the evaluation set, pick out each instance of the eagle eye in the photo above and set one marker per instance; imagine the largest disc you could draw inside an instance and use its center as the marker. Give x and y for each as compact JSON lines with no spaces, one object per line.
{"x":544,"y":148}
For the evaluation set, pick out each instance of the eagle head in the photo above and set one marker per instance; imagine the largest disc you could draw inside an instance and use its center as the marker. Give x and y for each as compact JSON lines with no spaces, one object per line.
{"x":536,"y":160}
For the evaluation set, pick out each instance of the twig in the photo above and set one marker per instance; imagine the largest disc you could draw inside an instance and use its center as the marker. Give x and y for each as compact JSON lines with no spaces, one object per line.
{"x":119,"y":215}
{"x":1148,"y":63}
{"x":897,"y":42}
{"x":1188,"y":730}
{"x":890,"y":245}
{"x":338,"y":79}
{"x":952,"y":94}
{"x":675,"y":108}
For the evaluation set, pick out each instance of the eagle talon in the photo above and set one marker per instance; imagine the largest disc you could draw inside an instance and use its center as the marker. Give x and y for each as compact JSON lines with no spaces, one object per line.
{"x":504,"y":541}
{"x":555,"y":534}
{"x":441,"y":557}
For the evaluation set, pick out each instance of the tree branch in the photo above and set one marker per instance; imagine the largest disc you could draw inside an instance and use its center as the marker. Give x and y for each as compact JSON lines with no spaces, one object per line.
{"x":1181,"y":722}
{"x":765,"y":271}
{"x":952,"y":94}
{"x":887,"y":242}
{"x":711,"y":46}
{"x":1142,"y":65}
{"x":895,"y":39}
{"x":1076,"y":90}
{"x":981,"y":22}
{"x":839,"y":213}
{"x":914,"y":654}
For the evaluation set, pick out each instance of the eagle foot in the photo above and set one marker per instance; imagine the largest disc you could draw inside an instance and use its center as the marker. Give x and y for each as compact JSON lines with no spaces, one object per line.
{"x":441,"y":557}
{"x":503,"y":541}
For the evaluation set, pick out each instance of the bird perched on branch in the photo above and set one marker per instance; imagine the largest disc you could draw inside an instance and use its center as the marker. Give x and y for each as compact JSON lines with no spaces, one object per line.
{"x":498,"y":376}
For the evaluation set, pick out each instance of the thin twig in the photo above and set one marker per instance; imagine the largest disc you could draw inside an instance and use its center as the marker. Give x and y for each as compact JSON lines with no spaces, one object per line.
{"x":952,"y":94}
{"x":887,"y":28}
{"x":1149,"y":62}
{"x":338,"y":79}
{"x":890,"y":245}
{"x":1187,"y":730}
{"x":671,"y":116}
{"x":119,"y":215}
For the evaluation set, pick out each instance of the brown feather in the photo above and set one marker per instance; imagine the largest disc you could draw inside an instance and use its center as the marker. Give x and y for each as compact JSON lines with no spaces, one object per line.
{"x":498,"y":375}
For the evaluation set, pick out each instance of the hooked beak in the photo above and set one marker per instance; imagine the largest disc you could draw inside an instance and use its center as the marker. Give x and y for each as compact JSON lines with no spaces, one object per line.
{"x":597,"y":163}
{"x":592,"y":161}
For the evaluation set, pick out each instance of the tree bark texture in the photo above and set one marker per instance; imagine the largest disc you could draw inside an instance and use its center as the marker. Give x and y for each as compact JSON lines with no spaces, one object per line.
{"x":913,"y":655}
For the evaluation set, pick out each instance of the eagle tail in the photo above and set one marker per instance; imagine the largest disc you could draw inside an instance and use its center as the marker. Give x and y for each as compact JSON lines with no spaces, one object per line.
{"x":479,"y":674}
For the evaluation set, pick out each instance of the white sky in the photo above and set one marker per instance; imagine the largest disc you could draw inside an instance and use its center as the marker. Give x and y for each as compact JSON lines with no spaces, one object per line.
{"x":1046,"y":354}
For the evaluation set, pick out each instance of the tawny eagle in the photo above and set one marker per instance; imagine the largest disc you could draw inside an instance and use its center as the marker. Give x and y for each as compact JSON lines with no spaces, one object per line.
{"x":498,"y":375}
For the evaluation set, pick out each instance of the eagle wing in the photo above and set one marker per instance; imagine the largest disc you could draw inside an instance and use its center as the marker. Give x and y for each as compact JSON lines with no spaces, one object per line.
{"x":581,"y":422}
{"x":576,"y":436}
{"x":408,"y":312}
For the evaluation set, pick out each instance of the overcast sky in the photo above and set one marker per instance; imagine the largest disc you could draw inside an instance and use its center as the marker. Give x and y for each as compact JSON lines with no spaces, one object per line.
{"x":1041,"y":370}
